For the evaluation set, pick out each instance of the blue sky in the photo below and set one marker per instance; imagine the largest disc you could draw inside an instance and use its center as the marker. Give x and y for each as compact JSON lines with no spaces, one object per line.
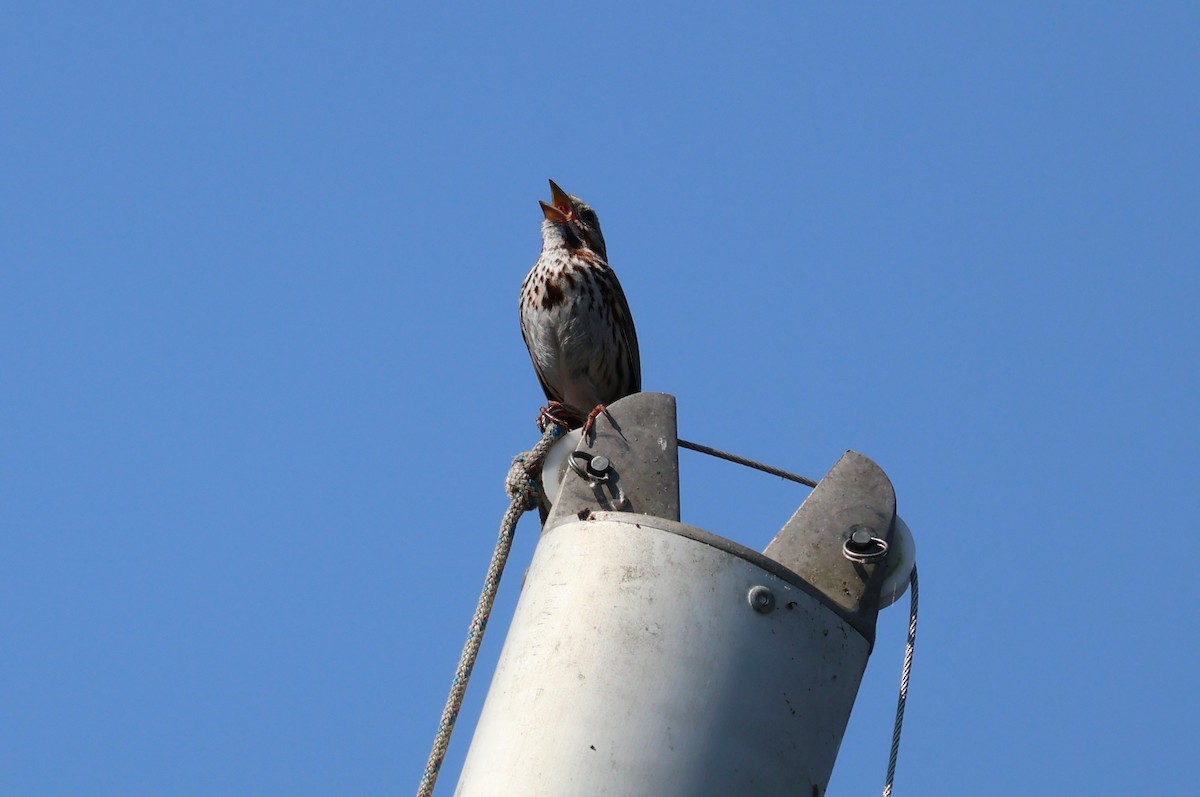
{"x":262,"y":374}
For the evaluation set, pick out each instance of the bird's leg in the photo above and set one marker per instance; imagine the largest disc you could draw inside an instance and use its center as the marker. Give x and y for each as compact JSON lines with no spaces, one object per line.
{"x":555,"y":412}
{"x":590,"y":423}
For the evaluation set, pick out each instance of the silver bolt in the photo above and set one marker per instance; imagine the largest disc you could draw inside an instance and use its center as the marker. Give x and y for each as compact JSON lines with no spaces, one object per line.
{"x":598,"y":465}
{"x":761,"y":599}
{"x":862,"y":537}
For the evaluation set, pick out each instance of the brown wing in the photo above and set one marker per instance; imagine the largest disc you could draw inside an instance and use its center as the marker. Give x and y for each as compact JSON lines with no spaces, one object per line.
{"x":628,"y":334}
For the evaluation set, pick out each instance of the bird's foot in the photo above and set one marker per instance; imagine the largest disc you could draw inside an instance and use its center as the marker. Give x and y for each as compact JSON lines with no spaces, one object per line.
{"x":555,"y":412}
{"x":590,"y":423}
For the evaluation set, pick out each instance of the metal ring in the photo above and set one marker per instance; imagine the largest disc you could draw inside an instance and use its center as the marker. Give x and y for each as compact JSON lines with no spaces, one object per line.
{"x":573,"y":461}
{"x":582,"y":463}
{"x":859,"y":550}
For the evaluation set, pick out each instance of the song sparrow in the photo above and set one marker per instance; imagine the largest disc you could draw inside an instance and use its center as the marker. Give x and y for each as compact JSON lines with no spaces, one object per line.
{"x":575,"y":319}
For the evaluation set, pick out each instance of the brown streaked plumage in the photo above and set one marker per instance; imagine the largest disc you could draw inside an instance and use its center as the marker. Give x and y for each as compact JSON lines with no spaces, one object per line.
{"x":574,"y":316}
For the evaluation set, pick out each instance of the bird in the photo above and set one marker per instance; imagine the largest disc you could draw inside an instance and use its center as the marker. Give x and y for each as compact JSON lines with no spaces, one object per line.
{"x":575,"y":318}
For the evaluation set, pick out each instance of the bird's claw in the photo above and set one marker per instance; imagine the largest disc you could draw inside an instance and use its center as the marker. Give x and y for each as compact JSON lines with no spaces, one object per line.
{"x":555,"y":412}
{"x":590,"y":424}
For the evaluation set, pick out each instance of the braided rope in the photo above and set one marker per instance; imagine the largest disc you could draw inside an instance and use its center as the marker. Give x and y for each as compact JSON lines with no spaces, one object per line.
{"x":905,"y":670}
{"x":522,"y":487}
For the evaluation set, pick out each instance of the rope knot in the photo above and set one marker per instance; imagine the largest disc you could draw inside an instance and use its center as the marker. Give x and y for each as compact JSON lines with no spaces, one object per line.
{"x":520,"y":483}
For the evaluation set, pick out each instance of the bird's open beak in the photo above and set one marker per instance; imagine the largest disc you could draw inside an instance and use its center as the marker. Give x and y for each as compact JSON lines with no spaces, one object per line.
{"x":552,"y":213}
{"x":561,"y":199}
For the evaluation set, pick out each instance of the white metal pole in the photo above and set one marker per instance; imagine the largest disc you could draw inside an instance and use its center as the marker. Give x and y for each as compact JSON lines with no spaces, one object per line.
{"x":647,"y":657}
{"x":650,"y":657}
